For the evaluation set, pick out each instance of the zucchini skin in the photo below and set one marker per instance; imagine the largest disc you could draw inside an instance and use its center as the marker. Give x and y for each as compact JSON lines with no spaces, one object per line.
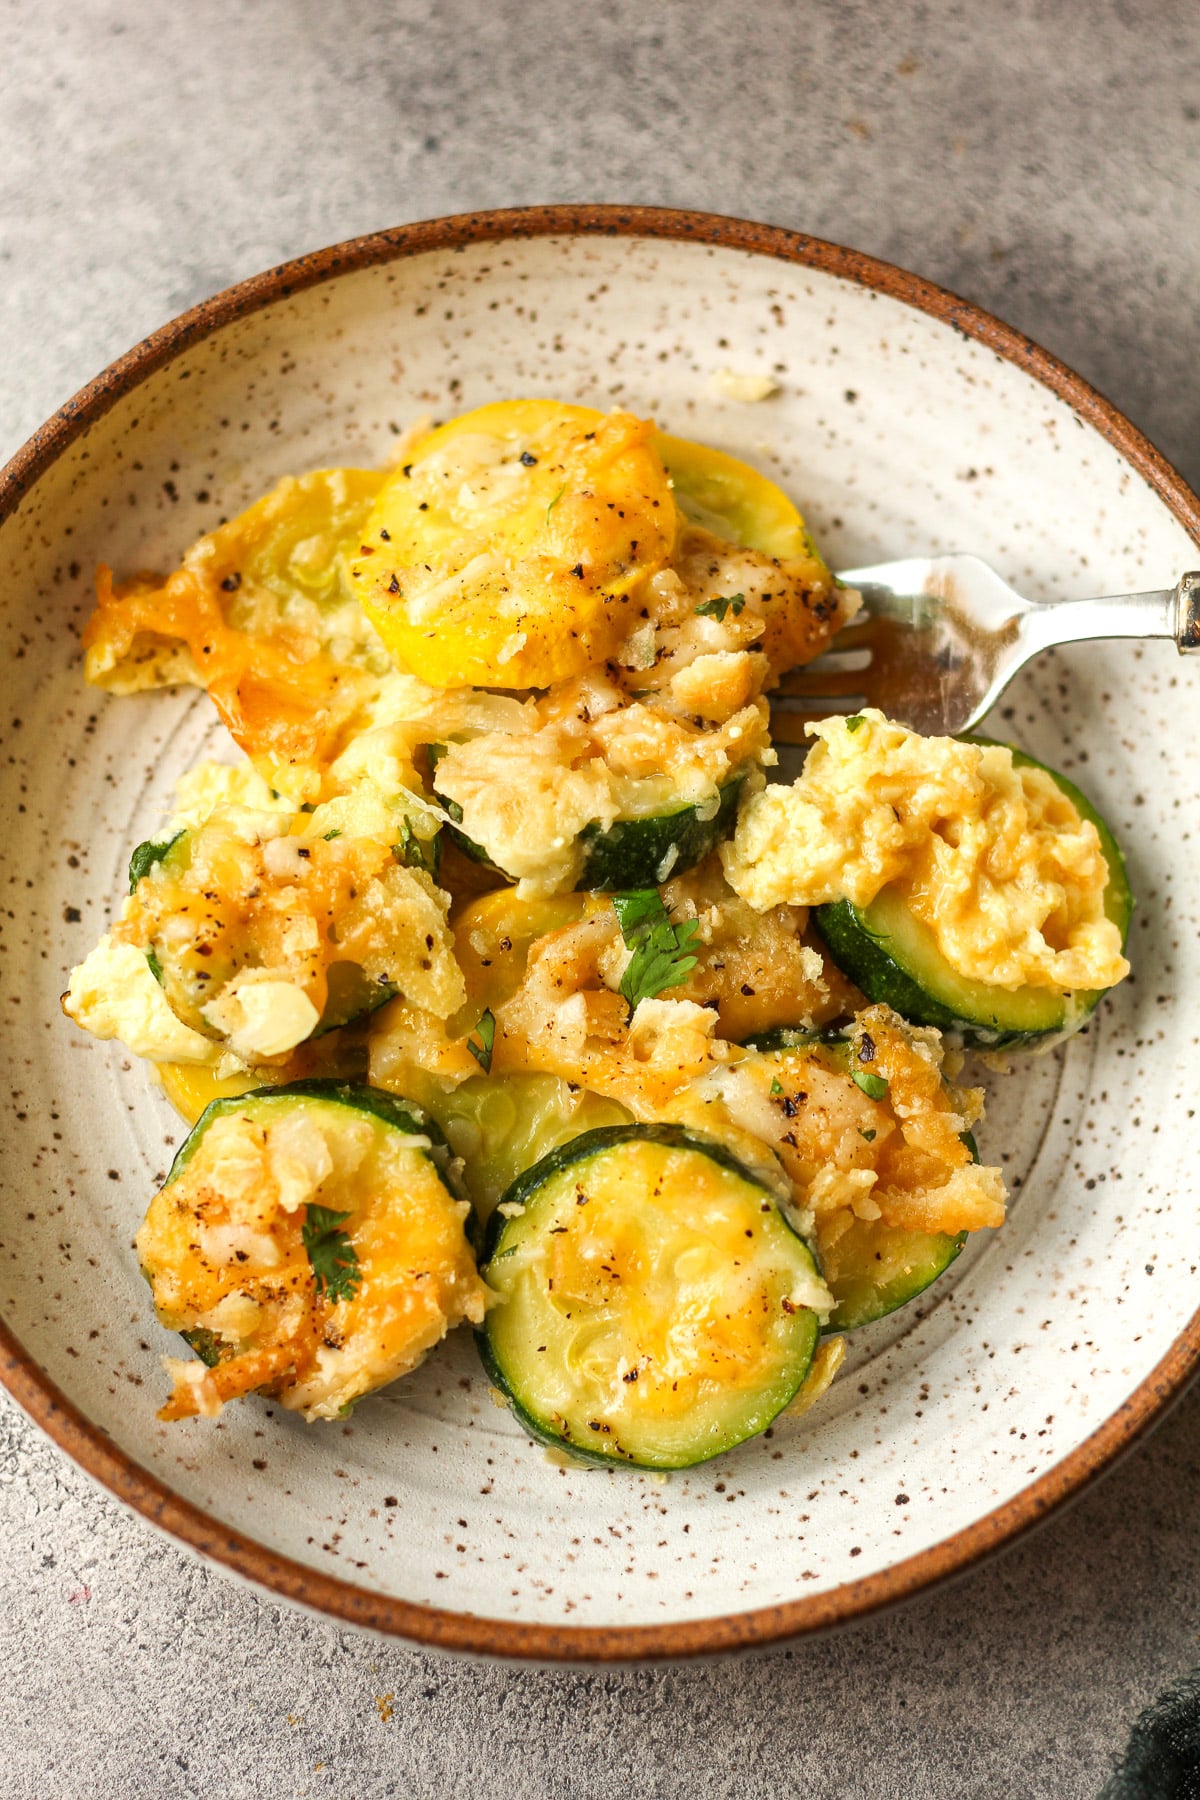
{"x":384,"y":992}
{"x":401,"y":1115}
{"x":525,"y":1188}
{"x":794,"y":1037}
{"x":532,"y":1426}
{"x":608,"y":1137}
{"x":630,"y":852}
{"x":862,"y":956}
{"x":862,"y":952}
{"x":929,"y":1254}
{"x":461,"y":841}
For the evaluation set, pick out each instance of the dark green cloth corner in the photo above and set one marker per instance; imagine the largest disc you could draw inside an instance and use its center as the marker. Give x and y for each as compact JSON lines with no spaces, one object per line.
{"x":1162,"y":1758}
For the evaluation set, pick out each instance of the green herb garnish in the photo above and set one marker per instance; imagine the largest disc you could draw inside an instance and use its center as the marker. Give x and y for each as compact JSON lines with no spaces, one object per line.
{"x":660,"y":950}
{"x":776,"y":1087}
{"x":855,"y":720}
{"x":416,"y":852}
{"x":333,"y":1257}
{"x":147,"y":856}
{"x":482,"y":1051}
{"x":873,"y":1086}
{"x":155,"y":966}
{"x":562,"y":490}
{"x":723,"y":603}
{"x":867,"y":1136}
{"x":330,"y":835}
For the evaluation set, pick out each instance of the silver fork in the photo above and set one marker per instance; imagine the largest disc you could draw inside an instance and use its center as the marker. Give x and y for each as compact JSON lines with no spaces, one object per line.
{"x":940,"y":638}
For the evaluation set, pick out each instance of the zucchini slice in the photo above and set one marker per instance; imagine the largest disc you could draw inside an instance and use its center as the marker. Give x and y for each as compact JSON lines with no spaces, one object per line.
{"x":654,"y":1307}
{"x":265,"y":931}
{"x":502,"y":1124}
{"x":309,"y":1244}
{"x":871,"y":1268}
{"x":640,"y":853}
{"x":875,"y":1269}
{"x":633,"y":853}
{"x":893,"y":957}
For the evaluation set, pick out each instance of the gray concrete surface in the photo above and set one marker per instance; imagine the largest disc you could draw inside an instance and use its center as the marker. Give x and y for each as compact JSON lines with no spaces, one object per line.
{"x":1041,"y":158}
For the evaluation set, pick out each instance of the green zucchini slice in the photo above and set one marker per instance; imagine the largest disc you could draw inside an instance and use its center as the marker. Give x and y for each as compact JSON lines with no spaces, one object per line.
{"x":501,"y":1125}
{"x":870,"y":1268}
{"x":309,"y":1242}
{"x":632,"y":853}
{"x":351,"y":997}
{"x":191,"y":896}
{"x":874,"y":1269}
{"x":641,"y":853}
{"x":654,"y":1306}
{"x":893,"y":957}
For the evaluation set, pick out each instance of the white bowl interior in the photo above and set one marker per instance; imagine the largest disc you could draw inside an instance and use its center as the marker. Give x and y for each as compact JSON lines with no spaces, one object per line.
{"x":897,"y":436}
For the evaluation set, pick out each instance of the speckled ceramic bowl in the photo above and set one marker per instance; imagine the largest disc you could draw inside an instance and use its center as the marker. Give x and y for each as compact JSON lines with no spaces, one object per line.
{"x":904,"y":421}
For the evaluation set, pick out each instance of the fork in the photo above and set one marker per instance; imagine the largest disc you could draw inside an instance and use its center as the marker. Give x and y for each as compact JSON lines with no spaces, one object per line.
{"x":939,"y":639}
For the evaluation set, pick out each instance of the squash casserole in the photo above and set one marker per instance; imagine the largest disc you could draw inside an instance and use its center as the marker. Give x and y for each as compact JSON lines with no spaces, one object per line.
{"x":500,"y":981}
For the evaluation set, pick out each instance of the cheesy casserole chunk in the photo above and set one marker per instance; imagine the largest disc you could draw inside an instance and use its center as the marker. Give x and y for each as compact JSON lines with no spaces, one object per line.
{"x":994,"y":859}
{"x":499,"y":902}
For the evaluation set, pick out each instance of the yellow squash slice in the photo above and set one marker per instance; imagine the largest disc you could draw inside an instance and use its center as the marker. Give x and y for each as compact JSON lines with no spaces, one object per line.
{"x":503,"y":553}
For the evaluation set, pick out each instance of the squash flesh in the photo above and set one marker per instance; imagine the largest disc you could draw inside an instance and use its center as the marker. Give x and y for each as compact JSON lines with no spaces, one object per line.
{"x":503,"y":552}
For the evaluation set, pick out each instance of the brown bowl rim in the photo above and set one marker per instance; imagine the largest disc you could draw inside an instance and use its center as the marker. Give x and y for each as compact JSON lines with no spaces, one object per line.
{"x":92,"y":1448}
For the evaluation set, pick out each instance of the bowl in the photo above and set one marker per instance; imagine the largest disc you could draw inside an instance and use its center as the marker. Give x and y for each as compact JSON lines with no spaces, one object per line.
{"x":903,"y":420}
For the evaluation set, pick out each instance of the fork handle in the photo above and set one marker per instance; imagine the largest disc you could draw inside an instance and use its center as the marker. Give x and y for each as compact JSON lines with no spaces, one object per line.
{"x":1169,"y":612}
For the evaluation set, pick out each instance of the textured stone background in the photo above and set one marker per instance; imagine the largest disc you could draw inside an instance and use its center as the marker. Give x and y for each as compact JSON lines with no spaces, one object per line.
{"x":1040,"y":158}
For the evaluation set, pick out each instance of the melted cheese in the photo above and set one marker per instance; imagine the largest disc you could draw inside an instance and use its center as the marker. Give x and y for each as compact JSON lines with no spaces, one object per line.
{"x":503,"y":551}
{"x":993,"y":858}
{"x":900,"y":1158}
{"x":223,"y":1248}
{"x":113,"y":994}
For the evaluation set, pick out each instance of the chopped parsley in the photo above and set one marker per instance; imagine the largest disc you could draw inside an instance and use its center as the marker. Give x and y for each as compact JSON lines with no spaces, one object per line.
{"x":867,"y":1136}
{"x":147,"y":856}
{"x":660,"y":950}
{"x":416,"y":852}
{"x":718,"y":607}
{"x":856,"y":720}
{"x":330,"y":835}
{"x":482,"y":1051}
{"x":776,"y":1087}
{"x":874,"y":1087}
{"x":333,"y":1257}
